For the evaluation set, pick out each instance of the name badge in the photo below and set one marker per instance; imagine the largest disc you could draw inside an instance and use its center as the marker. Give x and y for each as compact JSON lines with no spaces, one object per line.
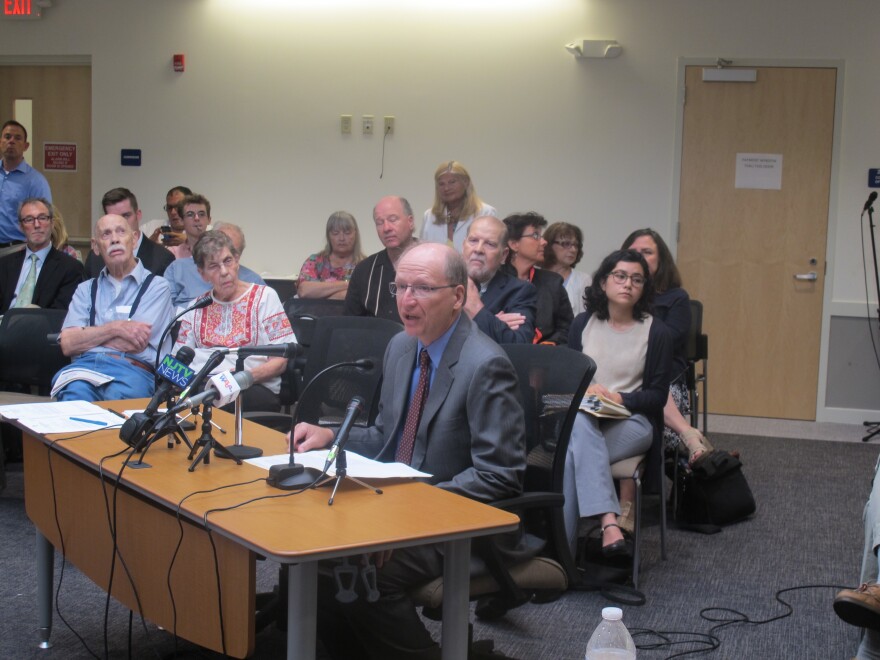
{"x":123,"y":310}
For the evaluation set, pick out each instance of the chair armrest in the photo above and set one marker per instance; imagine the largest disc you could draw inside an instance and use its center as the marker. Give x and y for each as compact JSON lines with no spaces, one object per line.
{"x":533,"y":500}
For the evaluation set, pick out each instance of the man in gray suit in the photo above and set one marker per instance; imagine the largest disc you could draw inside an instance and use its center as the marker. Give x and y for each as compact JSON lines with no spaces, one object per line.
{"x":469,"y":437}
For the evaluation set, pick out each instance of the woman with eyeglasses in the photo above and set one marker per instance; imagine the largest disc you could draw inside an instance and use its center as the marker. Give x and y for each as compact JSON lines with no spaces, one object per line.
{"x":240,"y":314}
{"x":673,"y":306}
{"x":633,"y":354}
{"x":525,"y":253}
{"x":456,"y":204}
{"x":564,"y":250}
{"x":327,"y":273}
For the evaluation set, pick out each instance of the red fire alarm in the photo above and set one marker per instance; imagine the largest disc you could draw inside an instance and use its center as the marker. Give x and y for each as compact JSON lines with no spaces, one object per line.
{"x":178,"y":63}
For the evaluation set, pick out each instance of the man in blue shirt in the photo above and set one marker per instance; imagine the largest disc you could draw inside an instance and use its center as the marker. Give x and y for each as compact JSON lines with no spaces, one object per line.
{"x":114,"y":323}
{"x":18,"y":182}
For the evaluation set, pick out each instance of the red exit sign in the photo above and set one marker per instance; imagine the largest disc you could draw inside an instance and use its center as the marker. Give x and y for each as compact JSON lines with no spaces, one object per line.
{"x":21,"y":8}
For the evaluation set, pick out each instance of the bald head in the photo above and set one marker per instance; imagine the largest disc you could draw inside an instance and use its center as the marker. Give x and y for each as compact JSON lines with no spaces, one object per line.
{"x":114,"y":242}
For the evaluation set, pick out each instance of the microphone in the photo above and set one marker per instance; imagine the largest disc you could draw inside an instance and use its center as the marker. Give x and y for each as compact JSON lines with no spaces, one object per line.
{"x":198,"y":304}
{"x":223,"y":389}
{"x":871,"y":198}
{"x":290,"y":350}
{"x":213,"y":361}
{"x":172,"y":372}
{"x":355,"y":406}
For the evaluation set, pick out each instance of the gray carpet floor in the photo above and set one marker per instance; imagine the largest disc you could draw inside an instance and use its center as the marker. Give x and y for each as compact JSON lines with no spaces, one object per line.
{"x":807,"y":531}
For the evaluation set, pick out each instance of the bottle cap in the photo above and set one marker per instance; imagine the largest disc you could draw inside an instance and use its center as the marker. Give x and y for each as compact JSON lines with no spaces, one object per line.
{"x":612,"y":613}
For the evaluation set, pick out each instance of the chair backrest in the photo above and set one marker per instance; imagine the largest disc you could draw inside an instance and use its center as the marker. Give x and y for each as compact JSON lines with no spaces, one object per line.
{"x":694,"y":346}
{"x":552,"y":383}
{"x":27,"y":357}
{"x":340,"y":339}
{"x":284,"y":287}
{"x":303,"y":312}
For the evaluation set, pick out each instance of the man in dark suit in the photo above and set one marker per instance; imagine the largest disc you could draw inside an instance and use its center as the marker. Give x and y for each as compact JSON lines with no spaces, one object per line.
{"x":38,"y":275}
{"x":468,"y":433}
{"x":154,"y":257}
{"x":501,"y":305}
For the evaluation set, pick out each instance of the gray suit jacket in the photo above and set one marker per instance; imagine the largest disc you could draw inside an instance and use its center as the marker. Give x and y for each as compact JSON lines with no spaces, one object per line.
{"x":471,"y":437}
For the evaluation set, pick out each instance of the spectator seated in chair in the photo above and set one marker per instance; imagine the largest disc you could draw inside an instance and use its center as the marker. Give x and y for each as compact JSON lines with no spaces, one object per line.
{"x":114,"y":323}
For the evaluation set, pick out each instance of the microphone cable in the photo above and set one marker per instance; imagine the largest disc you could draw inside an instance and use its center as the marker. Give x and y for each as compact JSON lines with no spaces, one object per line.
{"x":709,"y":641}
{"x":867,"y":294}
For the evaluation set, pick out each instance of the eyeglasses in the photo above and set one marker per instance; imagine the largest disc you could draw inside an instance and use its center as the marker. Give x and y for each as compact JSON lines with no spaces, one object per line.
{"x":565,"y":245}
{"x":417,"y":290}
{"x":620,"y":277}
{"x":189,"y":215}
{"x":536,"y":235}
{"x":30,"y":219}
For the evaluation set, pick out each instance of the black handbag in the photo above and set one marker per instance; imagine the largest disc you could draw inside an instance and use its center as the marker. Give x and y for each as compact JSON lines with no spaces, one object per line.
{"x":711,"y":493}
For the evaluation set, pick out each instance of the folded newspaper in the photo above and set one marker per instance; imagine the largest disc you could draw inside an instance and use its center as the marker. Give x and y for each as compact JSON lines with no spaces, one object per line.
{"x":77,"y":373}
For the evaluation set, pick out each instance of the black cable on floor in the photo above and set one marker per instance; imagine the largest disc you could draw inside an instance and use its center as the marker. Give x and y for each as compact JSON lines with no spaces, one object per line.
{"x":709,"y":640}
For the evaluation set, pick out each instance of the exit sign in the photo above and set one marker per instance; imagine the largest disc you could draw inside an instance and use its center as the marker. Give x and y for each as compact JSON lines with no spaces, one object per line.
{"x":22,"y":8}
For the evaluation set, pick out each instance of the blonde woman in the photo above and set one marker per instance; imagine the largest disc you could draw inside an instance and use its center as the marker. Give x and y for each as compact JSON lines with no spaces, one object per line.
{"x":456,"y":204}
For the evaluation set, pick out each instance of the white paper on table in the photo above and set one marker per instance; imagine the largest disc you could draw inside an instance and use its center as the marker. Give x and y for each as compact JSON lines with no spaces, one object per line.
{"x":356,"y":465}
{"x":55,"y":416}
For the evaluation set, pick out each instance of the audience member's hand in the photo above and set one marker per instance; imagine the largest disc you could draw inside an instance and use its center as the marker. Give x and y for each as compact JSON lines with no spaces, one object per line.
{"x":308,"y":436}
{"x":601,"y":390}
{"x":170,"y":239}
{"x":129,"y":336}
{"x":512,"y":319}
{"x":473,"y":304}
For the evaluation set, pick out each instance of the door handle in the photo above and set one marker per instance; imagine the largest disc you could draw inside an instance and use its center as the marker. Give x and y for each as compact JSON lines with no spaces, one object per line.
{"x":812,"y":276}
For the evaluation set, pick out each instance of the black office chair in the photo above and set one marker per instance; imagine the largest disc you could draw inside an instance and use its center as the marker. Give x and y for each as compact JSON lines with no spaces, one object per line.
{"x":28,"y":361}
{"x":697,"y":351}
{"x":552,"y":383}
{"x":326,"y":394}
{"x":284,"y":287}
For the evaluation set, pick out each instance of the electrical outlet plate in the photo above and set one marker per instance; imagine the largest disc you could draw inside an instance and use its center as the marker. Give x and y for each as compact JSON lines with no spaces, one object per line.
{"x":389,"y":125}
{"x":345,"y":124}
{"x":367,"y":121}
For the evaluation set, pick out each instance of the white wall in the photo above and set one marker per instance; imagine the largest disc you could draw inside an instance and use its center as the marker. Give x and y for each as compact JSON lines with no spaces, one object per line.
{"x":254,"y":121}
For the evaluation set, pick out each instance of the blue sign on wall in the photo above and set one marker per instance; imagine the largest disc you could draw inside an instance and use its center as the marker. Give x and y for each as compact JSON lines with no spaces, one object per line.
{"x":874,"y":177}
{"x":131,"y":158}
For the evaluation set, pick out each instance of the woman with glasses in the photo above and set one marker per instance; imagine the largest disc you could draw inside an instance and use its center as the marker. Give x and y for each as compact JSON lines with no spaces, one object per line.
{"x":526,"y":246}
{"x":327,"y":273}
{"x":633,"y":354}
{"x":673,"y":306}
{"x":456,"y":204}
{"x":564,"y":250}
{"x":240,"y":314}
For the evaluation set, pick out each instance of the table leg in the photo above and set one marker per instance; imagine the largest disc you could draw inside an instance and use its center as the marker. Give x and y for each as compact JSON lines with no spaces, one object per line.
{"x":456,"y":589}
{"x":302,"y":610}
{"x":45,"y":578}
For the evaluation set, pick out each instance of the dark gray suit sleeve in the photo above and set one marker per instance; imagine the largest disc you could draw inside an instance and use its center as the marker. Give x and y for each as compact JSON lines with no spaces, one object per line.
{"x":522,"y":301}
{"x":497,"y":430}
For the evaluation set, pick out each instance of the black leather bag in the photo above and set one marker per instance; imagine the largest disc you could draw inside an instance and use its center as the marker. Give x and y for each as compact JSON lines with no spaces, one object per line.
{"x":712,"y":493}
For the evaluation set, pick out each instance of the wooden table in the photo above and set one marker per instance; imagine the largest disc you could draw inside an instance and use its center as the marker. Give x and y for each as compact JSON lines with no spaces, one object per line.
{"x":62,"y":483}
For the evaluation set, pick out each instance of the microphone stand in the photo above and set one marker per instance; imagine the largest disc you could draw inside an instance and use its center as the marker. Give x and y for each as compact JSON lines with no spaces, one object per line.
{"x":207,"y":442}
{"x":873,"y":427}
{"x":237,"y":449}
{"x":341,"y":475}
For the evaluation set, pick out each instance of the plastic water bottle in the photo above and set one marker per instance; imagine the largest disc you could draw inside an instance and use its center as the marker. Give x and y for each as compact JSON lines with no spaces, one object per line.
{"x":611,"y":639}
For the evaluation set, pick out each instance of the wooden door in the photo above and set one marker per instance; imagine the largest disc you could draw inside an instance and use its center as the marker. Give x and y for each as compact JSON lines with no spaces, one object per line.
{"x":62,"y":113}
{"x":740,"y":248}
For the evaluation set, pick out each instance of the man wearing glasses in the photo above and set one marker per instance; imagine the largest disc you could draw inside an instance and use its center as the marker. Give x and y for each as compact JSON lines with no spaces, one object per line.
{"x":122,"y":202}
{"x":183,"y":275}
{"x":368,"y":293}
{"x":18,"y":181}
{"x":449,"y":407}
{"x":39,"y":275}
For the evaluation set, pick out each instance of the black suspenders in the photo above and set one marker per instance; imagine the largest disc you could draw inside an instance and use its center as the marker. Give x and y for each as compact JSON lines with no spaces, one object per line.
{"x":134,"y":306}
